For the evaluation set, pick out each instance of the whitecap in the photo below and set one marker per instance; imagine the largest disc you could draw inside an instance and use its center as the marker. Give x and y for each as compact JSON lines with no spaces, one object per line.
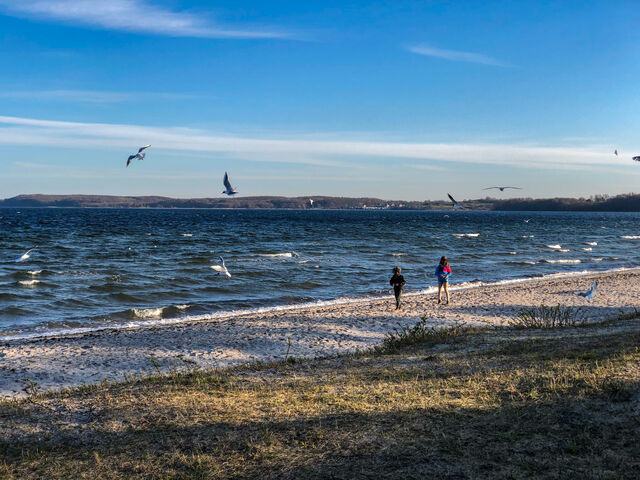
{"x":588,"y":249}
{"x":593,"y":244}
{"x":397,"y":254}
{"x":29,"y":283}
{"x":560,"y":261}
{"x":148,"y":312}
{"x":279,"y":255}
{"x":34,"y":273}
{"x":460,"y":235}
{"x":527,"y":236}
{"x":598,"y":259}
{"x":513,"y":253}
{"x":182,"y":307}
{"x":564,"y":250}
{"x":630,"y":237}
{"x":187,"y":234}
{"x":554,"y":247}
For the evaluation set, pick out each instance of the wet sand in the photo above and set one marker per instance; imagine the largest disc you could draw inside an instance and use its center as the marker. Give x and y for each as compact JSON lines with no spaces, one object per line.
{"x":67,"y":361}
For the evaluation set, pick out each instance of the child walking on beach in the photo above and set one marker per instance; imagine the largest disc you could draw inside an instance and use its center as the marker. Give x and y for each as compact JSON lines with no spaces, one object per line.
{"x":397,"y":281}
{"x":443,"y":270}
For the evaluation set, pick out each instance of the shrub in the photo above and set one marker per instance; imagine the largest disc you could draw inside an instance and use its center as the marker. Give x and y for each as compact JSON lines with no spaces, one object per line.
{"x":548,"y":317}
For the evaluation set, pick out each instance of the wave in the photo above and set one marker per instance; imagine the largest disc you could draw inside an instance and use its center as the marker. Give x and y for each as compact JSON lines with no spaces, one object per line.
{"x":588,"y":249}
{"x":187,"y":234}
{"x":147,"y":312}
{"x":564,"y":250}
{"x":229,"y":314}
{"x":157,"y":312}
{"x":279,"y":255}
{"x":598,"y":259}
{"x":630,"y":237}
{"x":593,"y":244}
{"x":460,"y":235}
{"x":527,"y":236}
{"x":522,"y":262}
{"x":29,"y":283}
{"x":34,"y":273}
{"x":561,"y":261}
{"x":554,"y":246}
{"x":397,"y":254}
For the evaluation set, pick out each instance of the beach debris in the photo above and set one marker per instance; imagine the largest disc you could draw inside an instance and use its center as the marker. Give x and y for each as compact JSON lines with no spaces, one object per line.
{"x":26,"y":255}
{"x":229,"y":190}
{"x":502,"y":189}
{"x":589,"y":294}
{"x":455,"y":203}
{"x":139,"y":155}
{"x":221,"y":268}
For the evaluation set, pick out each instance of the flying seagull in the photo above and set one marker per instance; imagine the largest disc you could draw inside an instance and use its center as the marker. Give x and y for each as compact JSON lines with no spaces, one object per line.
{"x":229,"y":190}
{"x":221,"y":268}
{"x":589,"y":294}
{"x":637,"y":158}
{"x":26,"y":255}
{"x":455,"y":203}
{"x":502,"y":188}
{"x":139,"y":155}
{"x":616,"y":152}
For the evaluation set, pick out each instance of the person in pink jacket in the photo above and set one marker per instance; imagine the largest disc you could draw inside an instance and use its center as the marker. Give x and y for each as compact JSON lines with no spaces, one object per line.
{"x":443,"y":271}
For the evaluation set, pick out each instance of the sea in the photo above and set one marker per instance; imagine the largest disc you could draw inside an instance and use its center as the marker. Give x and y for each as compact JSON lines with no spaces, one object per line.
{"x":120,"y":268}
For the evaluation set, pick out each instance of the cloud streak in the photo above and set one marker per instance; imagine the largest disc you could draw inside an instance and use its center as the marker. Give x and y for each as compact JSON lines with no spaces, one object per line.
{"x":95,"y":96}
{"x":36,"y":132}
{"x":138,"y":16}
{"x":455,"y":55}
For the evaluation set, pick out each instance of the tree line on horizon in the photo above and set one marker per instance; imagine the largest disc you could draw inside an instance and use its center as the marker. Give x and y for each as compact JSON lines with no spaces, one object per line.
{"x":629,"y":202}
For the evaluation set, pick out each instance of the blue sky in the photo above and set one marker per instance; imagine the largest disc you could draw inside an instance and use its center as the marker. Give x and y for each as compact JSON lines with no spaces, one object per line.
{"x":398,"y":100}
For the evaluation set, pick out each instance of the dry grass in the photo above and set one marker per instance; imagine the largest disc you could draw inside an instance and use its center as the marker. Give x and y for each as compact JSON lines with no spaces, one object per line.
{"x":499,"y":404}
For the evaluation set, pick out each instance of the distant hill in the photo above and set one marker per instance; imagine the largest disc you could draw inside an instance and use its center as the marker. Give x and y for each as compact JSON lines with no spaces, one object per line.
{"x":599,"y":203}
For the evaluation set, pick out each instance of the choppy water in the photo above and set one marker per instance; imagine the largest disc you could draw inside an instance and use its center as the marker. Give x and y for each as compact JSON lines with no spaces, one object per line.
{"x":101,"y":267}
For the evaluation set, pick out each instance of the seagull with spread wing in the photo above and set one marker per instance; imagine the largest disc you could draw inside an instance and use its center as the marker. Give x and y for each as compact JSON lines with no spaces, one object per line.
{"x":221,"y":268}
{"x":455,"y":203}
{"x":589,"y":294}
{"x":229,"y":190}
{"x":26,"y":255}
{"x":637,"y":158}
{"x":502,"y":189}
{"x":139,"y":155}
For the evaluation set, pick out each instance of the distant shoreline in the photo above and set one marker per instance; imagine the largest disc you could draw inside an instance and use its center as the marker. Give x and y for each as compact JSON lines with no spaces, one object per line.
{"x":598,"y":203}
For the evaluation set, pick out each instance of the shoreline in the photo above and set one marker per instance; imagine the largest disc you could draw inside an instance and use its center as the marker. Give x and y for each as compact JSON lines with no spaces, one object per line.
{"x":315,"y":331}
{"x":337,"y":302}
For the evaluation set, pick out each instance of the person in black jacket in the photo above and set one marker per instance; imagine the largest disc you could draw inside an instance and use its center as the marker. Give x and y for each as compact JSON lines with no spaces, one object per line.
{"x":397,"y":281}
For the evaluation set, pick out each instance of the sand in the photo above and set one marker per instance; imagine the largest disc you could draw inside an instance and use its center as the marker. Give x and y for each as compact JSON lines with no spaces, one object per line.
{"x":67,"y":361}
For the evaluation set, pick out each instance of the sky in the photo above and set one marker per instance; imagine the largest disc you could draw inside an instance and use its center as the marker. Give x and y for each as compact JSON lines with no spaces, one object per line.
{"x":390,"y":99}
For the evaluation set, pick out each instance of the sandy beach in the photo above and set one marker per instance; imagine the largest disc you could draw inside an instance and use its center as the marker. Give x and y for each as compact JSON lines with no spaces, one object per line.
{"x":67,"y":361}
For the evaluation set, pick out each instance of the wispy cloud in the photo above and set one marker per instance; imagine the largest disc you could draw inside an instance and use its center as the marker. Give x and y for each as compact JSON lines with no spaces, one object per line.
{"x":35,"y":132}
{"x":138,"y":16}
{"x":95,"y":96}
{"x":455,"y":55}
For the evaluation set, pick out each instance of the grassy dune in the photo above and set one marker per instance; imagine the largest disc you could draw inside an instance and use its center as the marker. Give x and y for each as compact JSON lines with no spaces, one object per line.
{"x":451,"y":404}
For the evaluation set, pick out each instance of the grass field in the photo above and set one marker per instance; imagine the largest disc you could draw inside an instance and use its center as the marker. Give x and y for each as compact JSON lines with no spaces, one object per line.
{"x":457,"y":404}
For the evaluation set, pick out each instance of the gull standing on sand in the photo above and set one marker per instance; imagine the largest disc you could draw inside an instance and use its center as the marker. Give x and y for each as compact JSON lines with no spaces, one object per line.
{"x":229,"y":190}
{"x":502,"y":189}
{"x":455,"y":203}
{"x":221,"y":268}
{"x":139,"y":155}
{"x":589,"y":294}
{"x":26,"y":255}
